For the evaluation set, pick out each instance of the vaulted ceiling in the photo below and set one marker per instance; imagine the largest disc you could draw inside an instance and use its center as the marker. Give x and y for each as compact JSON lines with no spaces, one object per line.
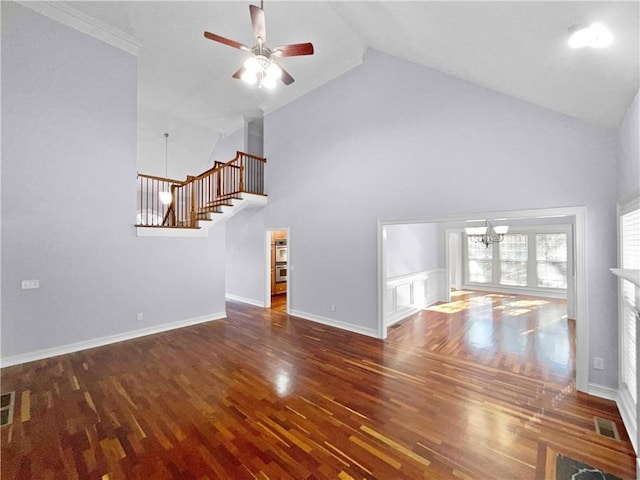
{"x":518,"y":48}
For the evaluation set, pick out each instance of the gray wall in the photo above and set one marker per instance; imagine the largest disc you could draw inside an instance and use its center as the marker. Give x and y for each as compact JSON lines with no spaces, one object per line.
{"x":394,"y":140}
{"x":629,"y":152}
{"x":69,"y":199}
{"x":245,"y":241}
{"x":411,"y":248}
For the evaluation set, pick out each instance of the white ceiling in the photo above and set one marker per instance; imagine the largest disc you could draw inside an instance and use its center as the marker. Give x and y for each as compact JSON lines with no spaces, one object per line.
{"x":518,"y":48}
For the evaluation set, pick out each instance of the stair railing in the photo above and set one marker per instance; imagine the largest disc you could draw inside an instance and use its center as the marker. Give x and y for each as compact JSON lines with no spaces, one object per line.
{"x":198,"y":196}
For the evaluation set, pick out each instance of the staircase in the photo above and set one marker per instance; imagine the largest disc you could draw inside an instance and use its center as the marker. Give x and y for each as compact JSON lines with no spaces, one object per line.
{"x":200,"y":201}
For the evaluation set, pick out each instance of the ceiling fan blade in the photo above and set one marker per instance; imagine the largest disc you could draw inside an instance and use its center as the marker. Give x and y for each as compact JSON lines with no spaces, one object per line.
{"x":294,"y":50}
{"x":286,"y":78}
{"x":226,"y":41}
{"x":239,"y":73}
{"x":258,"y":23}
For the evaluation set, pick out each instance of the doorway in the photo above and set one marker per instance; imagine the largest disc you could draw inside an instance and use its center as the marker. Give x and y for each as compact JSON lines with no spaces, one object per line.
{"x":578,"y":303}
{"x":277,"y":270}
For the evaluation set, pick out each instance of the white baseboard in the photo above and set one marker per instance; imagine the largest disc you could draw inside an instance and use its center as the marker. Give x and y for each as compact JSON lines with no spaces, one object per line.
{"x":250,"y":301}
{"x":99,"y":342}
{"x":601,"y":391}
{"x":401,"y":315}
{"x":369,"y":332}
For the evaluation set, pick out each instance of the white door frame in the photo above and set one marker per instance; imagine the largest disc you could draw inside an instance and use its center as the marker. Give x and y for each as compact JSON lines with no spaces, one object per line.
{"x":581,"y":313}
{"x":267,"y":256}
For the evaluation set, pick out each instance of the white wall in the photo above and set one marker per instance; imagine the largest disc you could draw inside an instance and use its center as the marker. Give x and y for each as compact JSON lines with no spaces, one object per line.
{"x":190,"y":145}
{"x":394,"y":140}
{"x":69,"y":199}
{"x":245,"y":257}
{"x":411,"y":248}
{"x":227,"y":146}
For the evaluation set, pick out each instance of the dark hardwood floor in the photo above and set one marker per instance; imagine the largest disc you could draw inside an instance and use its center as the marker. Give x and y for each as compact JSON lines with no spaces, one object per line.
{"x":262,"y":395}
{"x":279,"y":302}
{"x":527,"y":335}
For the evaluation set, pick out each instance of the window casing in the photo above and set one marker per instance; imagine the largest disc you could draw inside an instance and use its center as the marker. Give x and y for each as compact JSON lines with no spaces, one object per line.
{"x":629,"y":301}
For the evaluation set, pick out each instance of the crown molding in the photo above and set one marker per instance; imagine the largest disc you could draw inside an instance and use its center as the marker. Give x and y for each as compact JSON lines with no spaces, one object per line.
{"x":82,"y":22}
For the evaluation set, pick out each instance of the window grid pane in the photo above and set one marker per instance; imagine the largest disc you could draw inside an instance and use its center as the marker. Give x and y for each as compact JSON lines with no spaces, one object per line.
{"x":480,"y":261}
{"x":630,"y":224}
{"x":551,"y":259}
{"x":514,"y":260}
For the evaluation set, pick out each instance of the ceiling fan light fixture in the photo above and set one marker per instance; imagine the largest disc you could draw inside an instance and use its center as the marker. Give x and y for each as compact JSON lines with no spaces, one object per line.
{"x":249,"y":77}
{"x":261,"y":68}
{"x":269,"y":83}
{"x":273,"y":71}
{"x":252,"y":65}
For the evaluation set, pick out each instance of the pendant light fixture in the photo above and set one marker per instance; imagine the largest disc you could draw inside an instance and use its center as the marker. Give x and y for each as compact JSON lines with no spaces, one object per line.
{"x":166,"y":197}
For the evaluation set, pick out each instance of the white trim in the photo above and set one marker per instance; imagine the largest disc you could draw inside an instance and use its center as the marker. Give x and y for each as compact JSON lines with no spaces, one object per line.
{"x":628,"y":274}
{"x":629,"y":410}
{"x":629,"y":417}
{"x":407,"y":312}
{"x":601,"y":391}
{"x":172,"y":232}
{"x":581,"y":314}
{"x":99,"y":342}
{"x":250,"y":301}
{"x":425,"y":288}
{"x":382,"y":279}
{"x":369,"y":332}
{"x":267,"y":277}
{"x":533,"y":292}
{"x":84,"y":23}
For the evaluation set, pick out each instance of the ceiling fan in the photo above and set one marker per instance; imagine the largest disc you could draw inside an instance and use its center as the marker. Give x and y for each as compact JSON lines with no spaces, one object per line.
{"x":261,"y":67}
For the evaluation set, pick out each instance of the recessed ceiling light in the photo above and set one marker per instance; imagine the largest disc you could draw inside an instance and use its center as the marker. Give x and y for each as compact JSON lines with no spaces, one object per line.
{"x":594,"y":36}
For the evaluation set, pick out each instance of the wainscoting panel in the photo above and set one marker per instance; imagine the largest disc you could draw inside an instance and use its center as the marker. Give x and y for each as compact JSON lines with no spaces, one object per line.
{"x":407,"y":294}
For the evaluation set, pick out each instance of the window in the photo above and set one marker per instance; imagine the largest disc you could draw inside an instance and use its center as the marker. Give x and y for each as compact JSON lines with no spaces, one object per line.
{"x":479,"y":262}
{"x":630,"y":259}
{"x":514,"y":260}
{"x":536,"y":258}
{"x":551,"y":259}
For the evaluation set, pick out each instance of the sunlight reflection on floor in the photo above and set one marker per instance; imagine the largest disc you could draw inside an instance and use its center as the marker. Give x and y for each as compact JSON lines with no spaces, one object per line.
{"x":512,"y":309}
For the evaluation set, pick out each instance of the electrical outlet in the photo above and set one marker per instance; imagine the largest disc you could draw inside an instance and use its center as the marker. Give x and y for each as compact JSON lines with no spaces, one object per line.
{"x":333,"y":307}
{"x":29,"y":284}
{"x":139,"y":316}
{"x":598,"y":363}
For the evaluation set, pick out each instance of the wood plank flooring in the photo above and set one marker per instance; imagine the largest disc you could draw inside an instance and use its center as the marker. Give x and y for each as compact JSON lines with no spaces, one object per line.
{"x":527,"y":335}
{"x":262,"y":395}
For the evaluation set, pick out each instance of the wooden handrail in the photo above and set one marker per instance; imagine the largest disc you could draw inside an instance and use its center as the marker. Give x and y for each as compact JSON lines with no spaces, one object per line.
{"x":255,"y":157}
{"x":198,"y":196}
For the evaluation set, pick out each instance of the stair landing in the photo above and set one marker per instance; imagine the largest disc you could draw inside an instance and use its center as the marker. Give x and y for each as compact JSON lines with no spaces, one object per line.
{"x":231,"y":208}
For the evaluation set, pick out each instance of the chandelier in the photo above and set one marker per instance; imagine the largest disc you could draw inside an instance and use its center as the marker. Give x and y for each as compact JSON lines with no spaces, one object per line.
{"x":487,"y":234}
